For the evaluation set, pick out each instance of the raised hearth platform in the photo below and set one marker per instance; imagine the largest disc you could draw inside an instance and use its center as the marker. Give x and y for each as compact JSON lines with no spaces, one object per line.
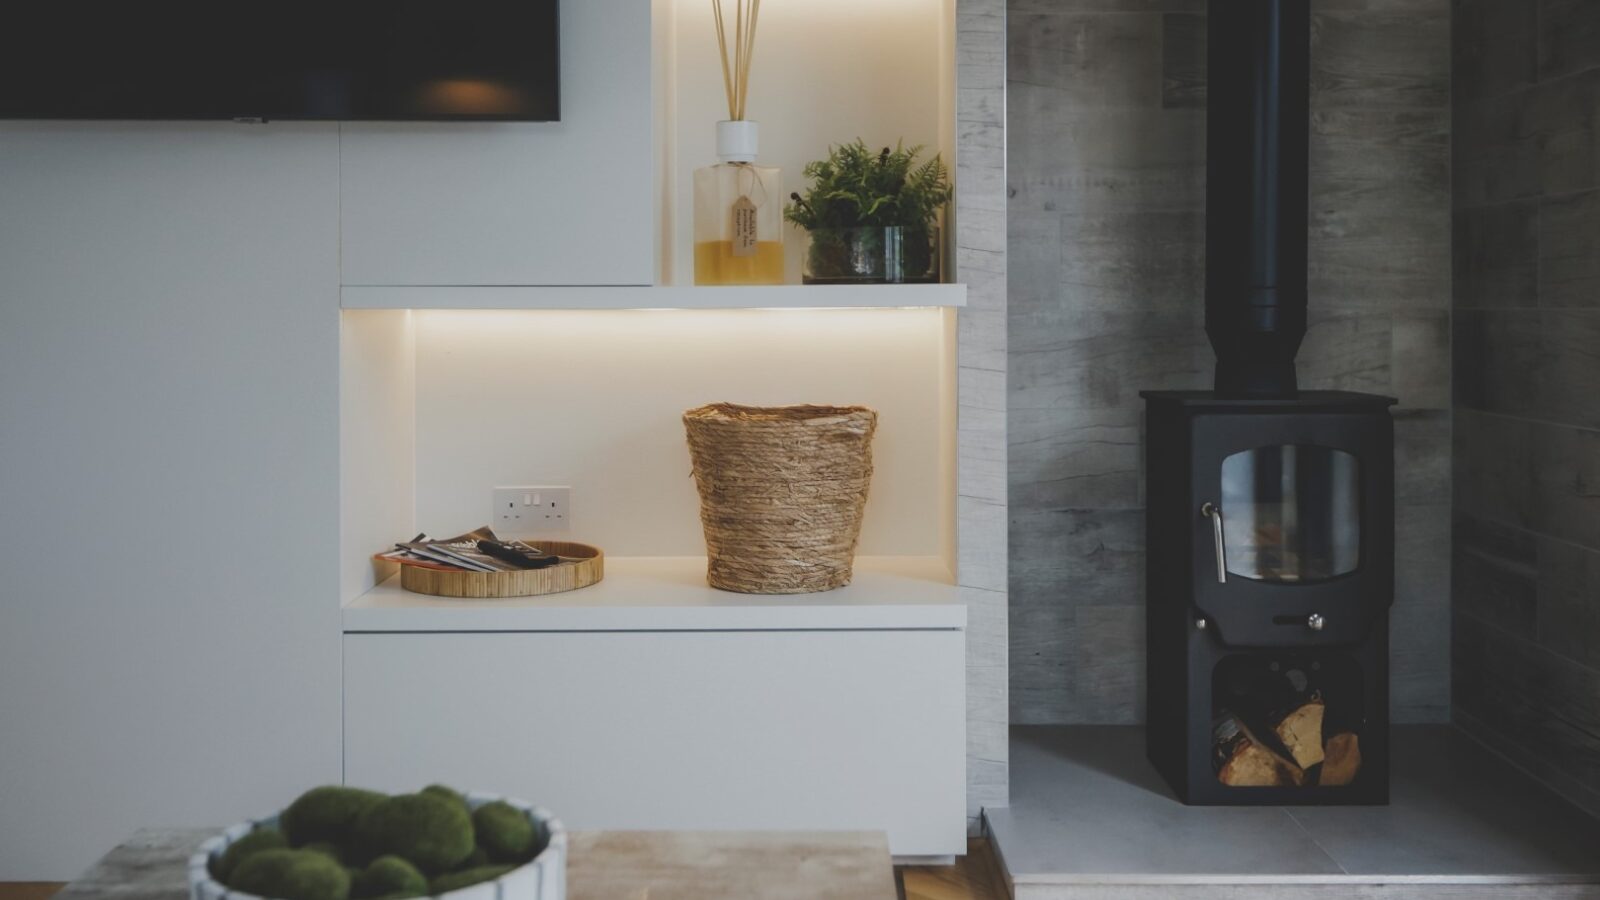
{"x":1092,"y":820}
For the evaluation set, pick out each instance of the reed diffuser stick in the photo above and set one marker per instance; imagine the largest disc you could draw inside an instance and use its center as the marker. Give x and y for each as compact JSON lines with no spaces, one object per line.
{"x":749,"y":54}
{"x":722,"y":48}
{"x":736,"y":70}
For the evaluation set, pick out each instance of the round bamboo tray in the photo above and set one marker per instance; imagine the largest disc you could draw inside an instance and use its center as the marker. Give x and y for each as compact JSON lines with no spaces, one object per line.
{"x":568,"y":576}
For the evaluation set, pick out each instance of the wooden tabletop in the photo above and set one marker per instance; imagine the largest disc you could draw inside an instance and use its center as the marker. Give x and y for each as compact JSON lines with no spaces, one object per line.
{"x":603,"y":865}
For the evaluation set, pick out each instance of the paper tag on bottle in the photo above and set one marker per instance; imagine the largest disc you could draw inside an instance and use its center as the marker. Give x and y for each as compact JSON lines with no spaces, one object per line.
{"x":744,"y":227}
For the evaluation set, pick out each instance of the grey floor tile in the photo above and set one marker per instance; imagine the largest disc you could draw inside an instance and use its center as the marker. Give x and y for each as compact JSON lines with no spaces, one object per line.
{"x":1457,"y":810}
{"x":1088,"y":810}
{"x":1085,"y":802}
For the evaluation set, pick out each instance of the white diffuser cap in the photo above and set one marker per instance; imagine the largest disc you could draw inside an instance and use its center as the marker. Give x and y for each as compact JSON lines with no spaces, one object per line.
{"x":736,"y":141}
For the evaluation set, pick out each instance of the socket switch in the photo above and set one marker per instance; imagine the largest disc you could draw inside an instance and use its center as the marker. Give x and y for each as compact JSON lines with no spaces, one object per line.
{"x":518,"y":510}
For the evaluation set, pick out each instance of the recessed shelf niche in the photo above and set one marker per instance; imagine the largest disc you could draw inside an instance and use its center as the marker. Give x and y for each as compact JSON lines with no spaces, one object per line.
{"x":440,"y":406}
{"x":824,"y":72}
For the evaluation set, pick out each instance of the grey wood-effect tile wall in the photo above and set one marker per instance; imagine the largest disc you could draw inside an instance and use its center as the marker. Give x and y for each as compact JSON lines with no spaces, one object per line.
{"x":981,"y":489}
{"x":1526,"y":649}
{"x":1107,"y":236}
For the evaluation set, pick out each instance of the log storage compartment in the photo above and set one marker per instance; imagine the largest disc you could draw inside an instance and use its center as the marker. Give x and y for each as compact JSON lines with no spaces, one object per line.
{"x":1287,"y":720}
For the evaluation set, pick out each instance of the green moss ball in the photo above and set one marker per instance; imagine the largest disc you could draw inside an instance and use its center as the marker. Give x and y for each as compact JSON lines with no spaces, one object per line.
{"x":328,"y":849}
{"x":238,"y":851}
{"x":432,"y":834}
{"x":393,"y":877}
{"x":505,"y":832}
{"x":478,"y":857}
{"x":326,"y":814}
{"x":466,"y":878}
{"x":291,"y":875}
{"x":444,"y":792}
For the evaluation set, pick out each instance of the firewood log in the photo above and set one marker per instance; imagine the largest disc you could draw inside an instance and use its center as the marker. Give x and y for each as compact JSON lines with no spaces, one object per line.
{"x":1300,"y":730}
{"x":1245,"y":761}
{"x":1342,"y":761}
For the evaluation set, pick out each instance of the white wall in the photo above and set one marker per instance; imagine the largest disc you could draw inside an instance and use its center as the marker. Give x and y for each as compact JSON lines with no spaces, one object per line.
{"x":593,"y":399}
{"x":169,"y":633}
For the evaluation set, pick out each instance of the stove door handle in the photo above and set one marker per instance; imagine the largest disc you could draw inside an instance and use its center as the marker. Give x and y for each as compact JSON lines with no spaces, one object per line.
{"x":1214,"y":513}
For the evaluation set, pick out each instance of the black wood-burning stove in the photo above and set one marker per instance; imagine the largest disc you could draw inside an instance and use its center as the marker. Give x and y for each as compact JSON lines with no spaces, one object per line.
{"x":1270,"y":511}
{"x":1270,"y":575}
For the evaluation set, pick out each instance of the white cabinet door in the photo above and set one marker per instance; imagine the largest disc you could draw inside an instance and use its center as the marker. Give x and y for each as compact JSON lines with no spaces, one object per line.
{"x":544,"y":203}
{"x":685,"y":730}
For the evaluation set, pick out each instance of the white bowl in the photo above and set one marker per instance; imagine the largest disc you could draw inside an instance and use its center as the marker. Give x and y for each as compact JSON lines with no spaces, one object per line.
{"x":542,"y":878}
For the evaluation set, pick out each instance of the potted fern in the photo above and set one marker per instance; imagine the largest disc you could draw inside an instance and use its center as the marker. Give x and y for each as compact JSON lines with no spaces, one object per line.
{"x":871,"y":217}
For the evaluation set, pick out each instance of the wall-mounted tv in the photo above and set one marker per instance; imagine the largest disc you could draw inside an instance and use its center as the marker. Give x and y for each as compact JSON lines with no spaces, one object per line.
{"x":384,"y":60}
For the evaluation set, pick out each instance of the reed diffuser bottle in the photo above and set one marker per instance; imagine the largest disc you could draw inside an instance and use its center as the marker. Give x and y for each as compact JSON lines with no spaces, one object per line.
{"x":738,"y":205}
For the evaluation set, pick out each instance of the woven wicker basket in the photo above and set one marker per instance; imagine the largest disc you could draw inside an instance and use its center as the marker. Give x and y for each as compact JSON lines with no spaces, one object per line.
{"x":781,"y":493}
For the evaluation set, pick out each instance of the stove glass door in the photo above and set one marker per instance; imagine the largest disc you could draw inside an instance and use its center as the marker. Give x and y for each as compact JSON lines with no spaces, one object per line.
{"x":1293,"y":513}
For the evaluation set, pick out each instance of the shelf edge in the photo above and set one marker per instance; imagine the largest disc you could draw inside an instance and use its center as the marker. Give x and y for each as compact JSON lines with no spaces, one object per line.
{"x":919,"y":604}
{"x":641,"y":297}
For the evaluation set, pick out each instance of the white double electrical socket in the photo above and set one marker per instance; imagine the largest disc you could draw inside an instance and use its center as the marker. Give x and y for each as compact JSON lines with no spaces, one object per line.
{"x":534,"y":508}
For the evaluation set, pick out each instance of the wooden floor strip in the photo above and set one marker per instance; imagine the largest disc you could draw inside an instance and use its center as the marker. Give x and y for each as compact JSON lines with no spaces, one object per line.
{"x":28,"y":890}
{"x":975,"y":876}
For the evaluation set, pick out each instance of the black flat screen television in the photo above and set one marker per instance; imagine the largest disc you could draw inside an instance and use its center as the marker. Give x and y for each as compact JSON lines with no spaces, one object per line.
{"x":383,"y":60}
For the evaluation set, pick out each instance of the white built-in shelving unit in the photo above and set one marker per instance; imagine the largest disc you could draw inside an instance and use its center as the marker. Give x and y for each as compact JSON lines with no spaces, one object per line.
{"x":486,"y":340}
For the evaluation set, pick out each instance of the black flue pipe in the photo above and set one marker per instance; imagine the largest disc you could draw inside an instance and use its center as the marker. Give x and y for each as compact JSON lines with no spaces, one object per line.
{"x":1258,"y":122}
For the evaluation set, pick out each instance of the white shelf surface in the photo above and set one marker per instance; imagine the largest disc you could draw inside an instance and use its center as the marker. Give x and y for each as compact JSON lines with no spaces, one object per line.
{"x":669,"y":593}
{"x":785,"y":296}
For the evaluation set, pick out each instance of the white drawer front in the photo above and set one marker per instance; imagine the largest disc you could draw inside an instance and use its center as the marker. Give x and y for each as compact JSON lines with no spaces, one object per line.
{"x":838,"y":730}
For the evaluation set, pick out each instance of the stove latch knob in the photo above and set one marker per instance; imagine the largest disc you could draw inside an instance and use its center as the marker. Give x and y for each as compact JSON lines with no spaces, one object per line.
{"x":1315,"y":621}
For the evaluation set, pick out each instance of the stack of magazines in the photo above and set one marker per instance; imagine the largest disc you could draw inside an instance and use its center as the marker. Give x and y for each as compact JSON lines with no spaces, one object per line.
{"x":475,"y":551}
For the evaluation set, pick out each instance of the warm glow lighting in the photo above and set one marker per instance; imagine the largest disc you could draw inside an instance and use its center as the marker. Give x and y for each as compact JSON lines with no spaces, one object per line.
{"x":596,"y":397}
{"x":752,"y":321}
{"x":469,"y":96}
{"x":713,"y":309}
